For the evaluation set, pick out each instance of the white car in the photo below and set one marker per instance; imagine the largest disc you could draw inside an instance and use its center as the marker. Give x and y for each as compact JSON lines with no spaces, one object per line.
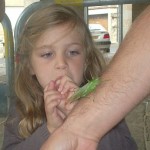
{"x":100,"y":36}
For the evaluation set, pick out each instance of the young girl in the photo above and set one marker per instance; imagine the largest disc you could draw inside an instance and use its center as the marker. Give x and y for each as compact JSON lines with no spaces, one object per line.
{"x":56,"y":55}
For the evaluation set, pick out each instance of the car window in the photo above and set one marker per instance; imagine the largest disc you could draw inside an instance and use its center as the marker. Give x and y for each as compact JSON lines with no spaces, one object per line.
{"x":96,"y":27}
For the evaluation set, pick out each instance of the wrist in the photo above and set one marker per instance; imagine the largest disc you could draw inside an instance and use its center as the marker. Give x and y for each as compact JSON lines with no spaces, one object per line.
{"x":81,"y":120}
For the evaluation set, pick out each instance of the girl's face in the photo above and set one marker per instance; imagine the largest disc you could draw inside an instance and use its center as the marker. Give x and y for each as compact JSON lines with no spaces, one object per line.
{"x":58,"y":52}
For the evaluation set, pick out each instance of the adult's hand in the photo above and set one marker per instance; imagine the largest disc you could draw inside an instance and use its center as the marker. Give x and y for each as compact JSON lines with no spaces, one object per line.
{"x":63,"y":139}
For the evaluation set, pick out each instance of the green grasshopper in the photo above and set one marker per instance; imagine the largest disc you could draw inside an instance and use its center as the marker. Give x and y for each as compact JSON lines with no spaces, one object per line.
{"x":85,"y":90}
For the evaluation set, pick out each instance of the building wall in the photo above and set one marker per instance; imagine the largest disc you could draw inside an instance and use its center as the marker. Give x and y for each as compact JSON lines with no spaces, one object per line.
{"x":127,"y":18}
{"x":14,"y":2}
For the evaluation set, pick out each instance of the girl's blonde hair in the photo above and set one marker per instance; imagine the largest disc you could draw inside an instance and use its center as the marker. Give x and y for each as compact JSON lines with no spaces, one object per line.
{"x":29,"y":92}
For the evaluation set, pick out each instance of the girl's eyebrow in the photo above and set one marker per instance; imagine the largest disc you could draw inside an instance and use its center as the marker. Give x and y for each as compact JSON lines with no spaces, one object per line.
{"x":51,"y":47}
{"x":74,"y":43}
{"x":43,"y":47}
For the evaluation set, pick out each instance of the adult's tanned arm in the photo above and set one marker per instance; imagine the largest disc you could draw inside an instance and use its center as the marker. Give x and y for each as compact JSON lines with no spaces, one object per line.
{"x":127,"y":82}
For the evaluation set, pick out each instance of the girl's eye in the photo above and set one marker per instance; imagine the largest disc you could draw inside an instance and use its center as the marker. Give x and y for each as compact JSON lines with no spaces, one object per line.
{"x":74,"y":52}
{"x":46,"y":55}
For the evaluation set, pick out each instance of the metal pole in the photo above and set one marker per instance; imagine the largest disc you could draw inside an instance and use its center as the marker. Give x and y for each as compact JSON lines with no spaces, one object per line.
{"x":9,"y":56}
{"x":113,"y":2}
{"x":120,"y":23}
{"x":86,"y":14}
{"x":24,"y":17}
{"x":102,"y":2}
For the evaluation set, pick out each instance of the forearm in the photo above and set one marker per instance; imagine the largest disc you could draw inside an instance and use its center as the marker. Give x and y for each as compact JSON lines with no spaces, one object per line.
{"x":126,"y":83}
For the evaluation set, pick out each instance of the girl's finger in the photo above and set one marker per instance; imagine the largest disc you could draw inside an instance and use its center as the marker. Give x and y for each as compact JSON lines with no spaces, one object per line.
{"x":48,"y":95}
{"x":50,"y":86}
{"x":69,"y":87}
{"x":62,"y":82}
{"x":50,"y":107}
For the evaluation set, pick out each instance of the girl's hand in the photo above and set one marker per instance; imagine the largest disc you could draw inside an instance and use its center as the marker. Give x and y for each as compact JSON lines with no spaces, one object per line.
{"x":52,"y":99}
{"x":66,"y":86}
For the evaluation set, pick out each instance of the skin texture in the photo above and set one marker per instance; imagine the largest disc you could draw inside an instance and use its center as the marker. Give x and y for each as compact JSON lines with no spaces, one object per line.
{"x":128,"y":75}
{"x":58,"y":63}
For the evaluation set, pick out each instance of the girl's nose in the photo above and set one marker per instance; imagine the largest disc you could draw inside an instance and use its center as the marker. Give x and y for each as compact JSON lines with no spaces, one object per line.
{"x":61,"y":62}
